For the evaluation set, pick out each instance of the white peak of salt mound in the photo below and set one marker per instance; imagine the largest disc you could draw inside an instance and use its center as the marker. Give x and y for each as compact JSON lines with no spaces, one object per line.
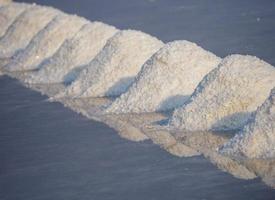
{"x":46,"y":42}
{"x":226,"y":97}
{"x":257,"y":139}
{"x":24,"y":28}
{"x":73,"y":54}
{"x":8,"y":13}
{"x":114,"y":68}
{"x":166,"y":79}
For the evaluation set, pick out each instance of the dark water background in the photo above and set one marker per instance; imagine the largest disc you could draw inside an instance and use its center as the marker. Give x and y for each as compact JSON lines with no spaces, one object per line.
{"x":49,"y":152}
{"x":221,"y":26}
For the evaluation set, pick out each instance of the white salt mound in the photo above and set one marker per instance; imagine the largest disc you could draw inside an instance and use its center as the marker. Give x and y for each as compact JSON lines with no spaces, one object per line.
{"x":30,"y":22}
{"x":9,"y":13}
{"x":46,"y":42}
{"x":74,"y":53}
{"x":114,"y":68}
{"x":226,"y":97}
{"x":166,"y":79}
{"x":257,"y":139}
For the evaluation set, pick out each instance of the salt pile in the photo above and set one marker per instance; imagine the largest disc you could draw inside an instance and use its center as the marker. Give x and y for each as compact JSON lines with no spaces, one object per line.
{"x":8,"y":14}
{"x":114,"y":68}
{"x":166,"y":79}
{"x":226,"y":97}
{"x":30,"y":22}
{"x":74,"y":53}
{"x":257,"y":139}
{"x":46,"y":42}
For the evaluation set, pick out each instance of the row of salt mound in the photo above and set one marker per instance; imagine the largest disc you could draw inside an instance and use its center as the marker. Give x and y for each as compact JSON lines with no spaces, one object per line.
{"x":30,"y":22}
{"x":257,"y":139}
{"x":226,"y":97}
{"x":46,"y":42}
{"x":73,"y":54}
{"x":8,"y":14}
{"x":114,"y":68}
{"x":166,"y":79}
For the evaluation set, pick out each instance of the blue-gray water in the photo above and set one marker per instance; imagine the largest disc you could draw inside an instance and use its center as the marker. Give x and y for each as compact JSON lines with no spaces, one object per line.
{"x":50,"y":152}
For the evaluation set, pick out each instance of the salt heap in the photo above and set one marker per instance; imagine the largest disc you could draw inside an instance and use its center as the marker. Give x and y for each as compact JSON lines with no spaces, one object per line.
{"x":74,"y":53}
{"x":225,"y":98}
{"x":30,"y":22}
{"x":257,"y":139}
{"x":46,"y":42}
{"x":9,"y":13}
{"x":166,"y":79}
{"x":114,"y":68}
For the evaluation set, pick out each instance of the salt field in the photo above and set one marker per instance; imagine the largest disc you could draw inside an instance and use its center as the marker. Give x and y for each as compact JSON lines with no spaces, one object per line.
{"x":122,"y":103}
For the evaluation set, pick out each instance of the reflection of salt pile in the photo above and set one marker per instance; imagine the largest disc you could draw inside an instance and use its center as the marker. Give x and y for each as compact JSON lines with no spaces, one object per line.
{"x":225,"y":98}
{"x":8,"y":14}
{"x":115,"y":67}
{"x":30,"y":22}
{"x":137,"y":127}
{"x":46,"y":42}
{"x":167,"y":78}
{"x":76,"y":52}
{"x":257,"y":139}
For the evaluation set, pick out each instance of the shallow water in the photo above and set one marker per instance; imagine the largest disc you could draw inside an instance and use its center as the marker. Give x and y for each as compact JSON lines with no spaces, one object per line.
{"x":50,"y":152}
